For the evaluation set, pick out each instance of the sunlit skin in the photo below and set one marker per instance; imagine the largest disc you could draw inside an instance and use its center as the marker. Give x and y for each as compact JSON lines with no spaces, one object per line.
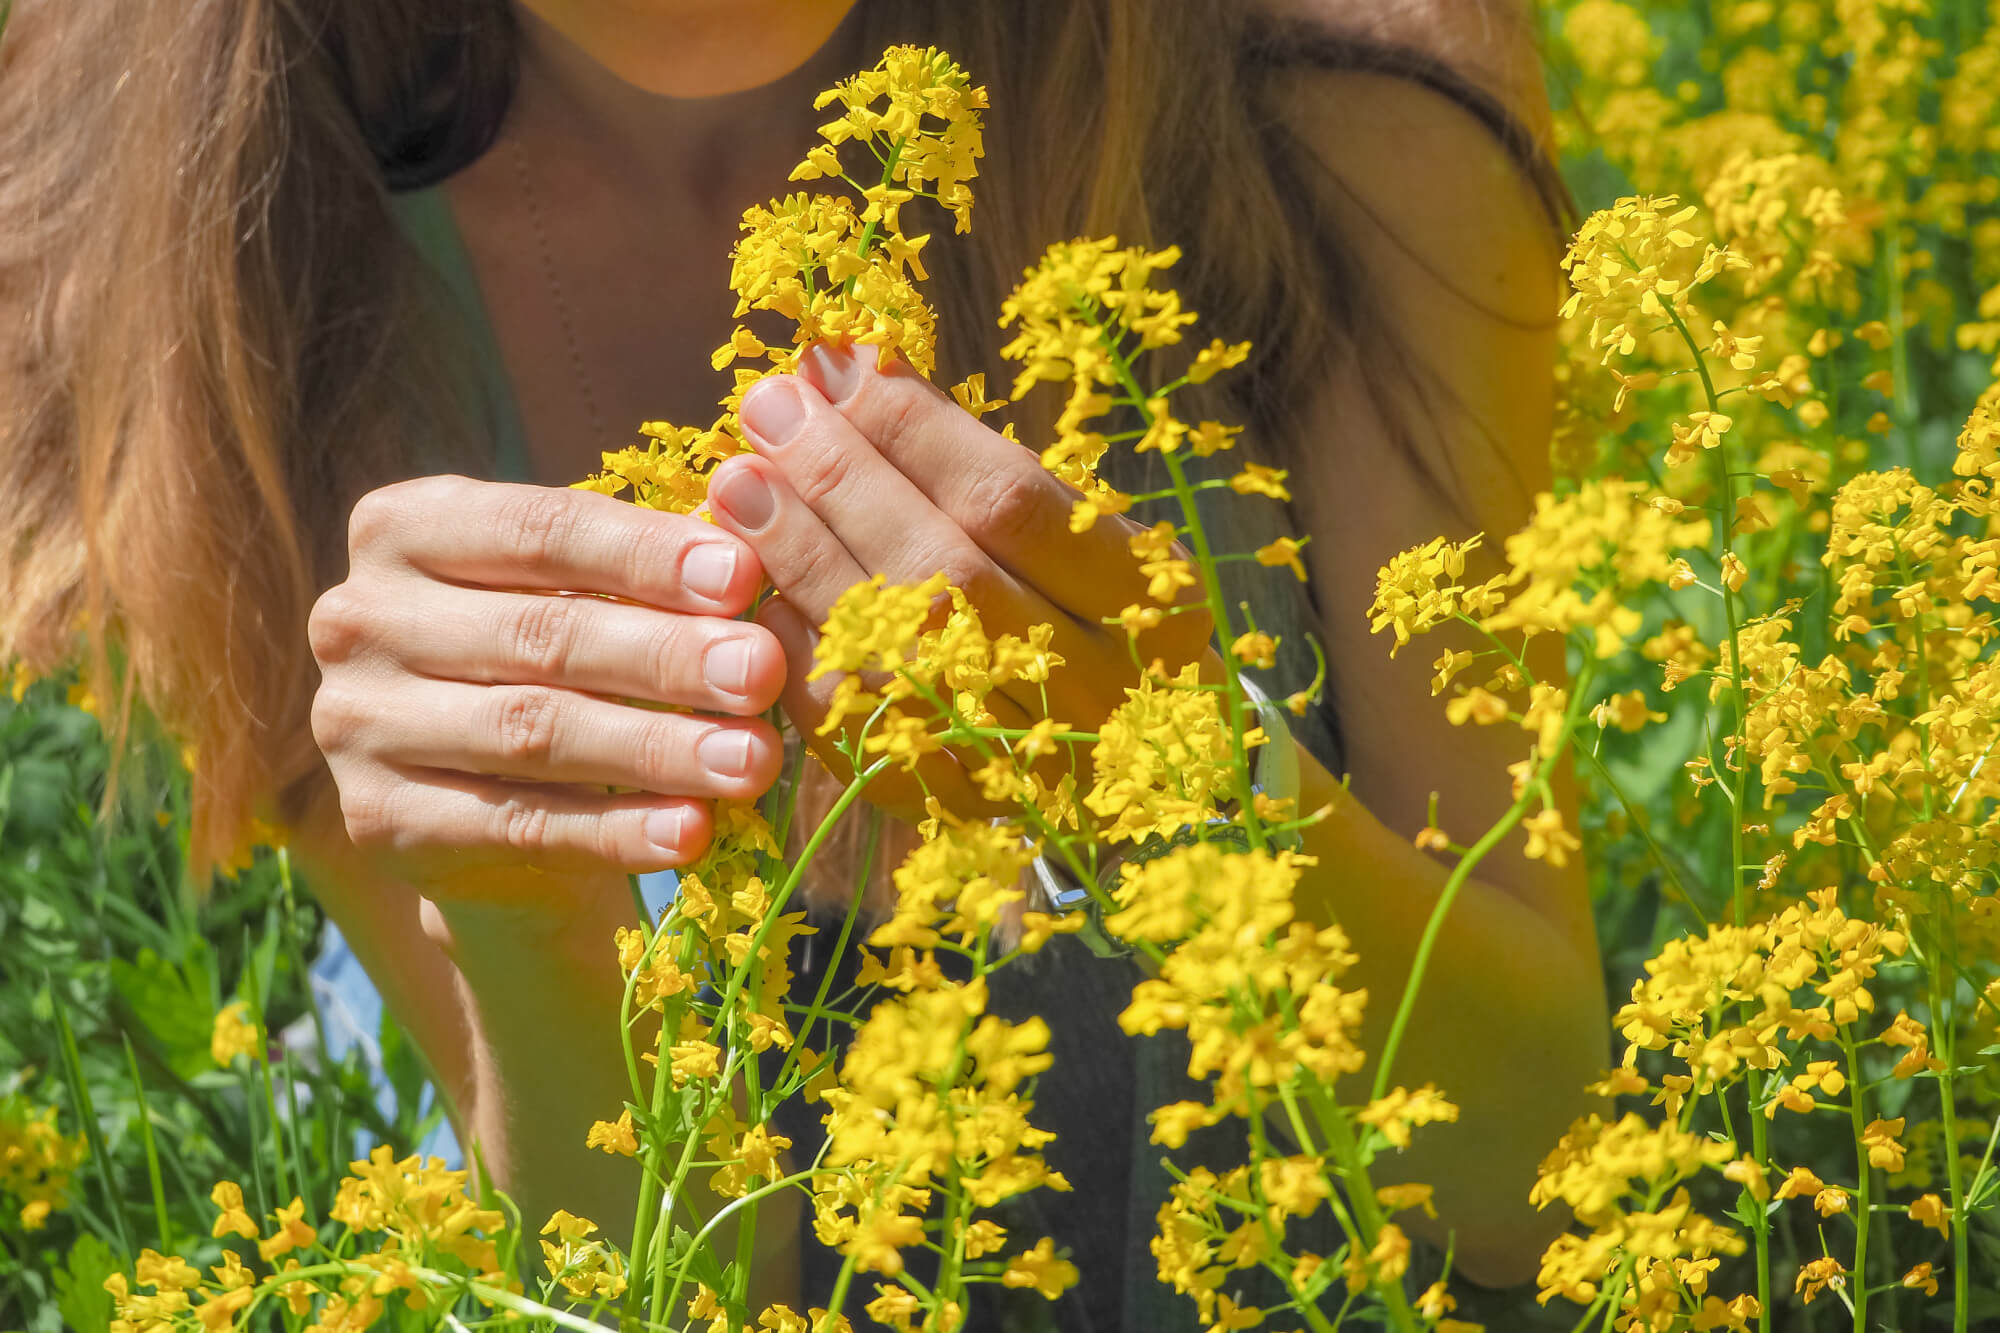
{"x":694,"y":48}
{"x":428,"y":645}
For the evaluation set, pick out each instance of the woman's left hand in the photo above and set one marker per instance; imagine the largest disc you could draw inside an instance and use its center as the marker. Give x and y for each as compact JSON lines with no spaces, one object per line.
{"x":861,"y":470}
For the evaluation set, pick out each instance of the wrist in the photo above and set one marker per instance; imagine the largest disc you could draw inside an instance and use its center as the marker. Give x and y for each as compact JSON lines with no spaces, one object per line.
{"x":566,"y":930}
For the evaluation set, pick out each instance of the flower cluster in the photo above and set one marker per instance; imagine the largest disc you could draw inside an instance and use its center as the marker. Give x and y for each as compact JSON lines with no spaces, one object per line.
{"x":1779,"y":326}
{"x":833,"y":266}
{"x":36,"y":1160}
{"x":409,"y":1233}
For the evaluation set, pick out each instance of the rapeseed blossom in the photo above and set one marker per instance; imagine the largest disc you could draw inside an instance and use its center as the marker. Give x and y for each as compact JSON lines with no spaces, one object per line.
{"x":37,"y":1161}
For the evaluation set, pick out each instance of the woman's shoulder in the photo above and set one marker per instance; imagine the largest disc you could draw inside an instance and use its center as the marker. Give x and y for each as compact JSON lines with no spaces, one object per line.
{"x":1491,"y":46}
{"x":1433,"y":118}
{"x":1429,"y":124}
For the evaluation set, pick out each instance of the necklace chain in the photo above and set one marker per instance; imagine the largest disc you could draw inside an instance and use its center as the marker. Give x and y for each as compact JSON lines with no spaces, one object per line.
{"x":581,"y":369}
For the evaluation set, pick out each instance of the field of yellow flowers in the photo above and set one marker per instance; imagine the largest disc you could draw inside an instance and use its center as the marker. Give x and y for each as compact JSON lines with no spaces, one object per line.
{"x":1772,"y":552}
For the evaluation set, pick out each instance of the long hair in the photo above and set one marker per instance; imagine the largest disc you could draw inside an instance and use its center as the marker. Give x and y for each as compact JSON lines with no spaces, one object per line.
{"x":212,"y":335}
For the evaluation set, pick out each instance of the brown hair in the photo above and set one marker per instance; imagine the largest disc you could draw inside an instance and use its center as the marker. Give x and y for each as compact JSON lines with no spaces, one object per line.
{"x":213,"y":339}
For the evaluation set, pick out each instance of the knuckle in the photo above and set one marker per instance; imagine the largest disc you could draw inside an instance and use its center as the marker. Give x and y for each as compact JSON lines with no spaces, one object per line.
{"x":659,"y":755}
{"x":540,"y":634}
{"x":374,"y":517}
{"x":1001,"y":508}
{"x":338,"y":625}
{"x":367,"y":814}
{"x":337,"y":717}
{"x":607,"y":840}
{"x":897,"y":408}
{"x":969,"y":571}
{"x":525,"y":730}
{"x":524,"y":826}
{"x":653,"y":549}
{"x":665,"y":654}
{"x":828,"y":473}
{"x":540,"y":523}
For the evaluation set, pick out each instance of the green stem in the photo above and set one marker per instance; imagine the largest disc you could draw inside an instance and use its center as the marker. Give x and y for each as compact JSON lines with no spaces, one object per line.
{"x":1367,"y":1210}
{"x":1739,"y":885}
{"x":1945,"y":1029}
{"x":161,"y":1222}
{"x":1864,"y":1221}
{"x":663,"y":1077}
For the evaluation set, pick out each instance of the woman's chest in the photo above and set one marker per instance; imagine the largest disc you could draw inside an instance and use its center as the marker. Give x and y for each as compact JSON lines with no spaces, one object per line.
{"x":604,"y":307}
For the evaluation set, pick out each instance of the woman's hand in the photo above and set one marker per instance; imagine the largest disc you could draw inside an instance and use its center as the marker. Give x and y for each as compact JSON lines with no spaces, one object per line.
{"x":861,"y":470}
{"x":477,"y":703}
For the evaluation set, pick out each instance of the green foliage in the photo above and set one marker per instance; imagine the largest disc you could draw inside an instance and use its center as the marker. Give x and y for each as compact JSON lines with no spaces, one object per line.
{"x":105,"y":938}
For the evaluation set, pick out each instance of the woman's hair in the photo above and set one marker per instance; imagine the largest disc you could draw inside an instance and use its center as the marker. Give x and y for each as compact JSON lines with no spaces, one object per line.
{"x":215,"y":338}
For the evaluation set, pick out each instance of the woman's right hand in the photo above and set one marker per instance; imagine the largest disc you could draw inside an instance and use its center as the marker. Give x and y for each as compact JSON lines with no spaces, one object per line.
{"x":475,"y":706}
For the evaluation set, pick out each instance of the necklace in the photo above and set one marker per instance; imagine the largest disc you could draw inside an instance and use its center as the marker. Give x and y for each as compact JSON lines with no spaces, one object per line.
{"x":578,"y":366}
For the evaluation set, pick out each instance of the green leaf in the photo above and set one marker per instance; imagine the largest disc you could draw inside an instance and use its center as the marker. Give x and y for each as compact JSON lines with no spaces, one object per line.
{"x":80,"y":1293}
{"x":179,"y":1018}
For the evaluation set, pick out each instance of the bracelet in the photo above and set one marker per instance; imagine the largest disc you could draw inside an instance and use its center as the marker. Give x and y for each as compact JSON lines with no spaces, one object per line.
{"x":1274,"y":773}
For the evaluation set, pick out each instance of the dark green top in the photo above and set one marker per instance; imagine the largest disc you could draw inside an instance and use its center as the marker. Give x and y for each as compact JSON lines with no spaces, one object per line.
{"x":425,"y":217}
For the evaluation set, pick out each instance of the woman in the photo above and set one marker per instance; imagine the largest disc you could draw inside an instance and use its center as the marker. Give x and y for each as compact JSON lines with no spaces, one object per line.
{"x":264,"y":263}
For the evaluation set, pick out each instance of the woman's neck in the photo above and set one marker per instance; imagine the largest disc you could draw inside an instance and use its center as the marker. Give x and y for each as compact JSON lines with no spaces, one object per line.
{"x":683,"y":95}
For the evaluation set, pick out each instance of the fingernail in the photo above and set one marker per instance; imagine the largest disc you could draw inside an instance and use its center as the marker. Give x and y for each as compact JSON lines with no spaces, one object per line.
{"x":744,"y":496}
{"x":726,"y":664}
{"x":833,"y":371}
{"x":773,"y":410}
{"x":727,"y":753}
{"x":665,"y":827}
{"x":709,"y":568}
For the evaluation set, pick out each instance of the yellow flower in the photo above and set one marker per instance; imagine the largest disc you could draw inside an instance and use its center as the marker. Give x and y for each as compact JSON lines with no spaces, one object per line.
{"x":289,"y":1231}
{"x":1294,"y":1186}
{"x":1409,"y":595}
{"x":616,"y":1137}
{"x":1397,"y":1198}
{"x":586,"y":1269}
{"x":37,"y":1160}
{"x":1635,"y":261}
{"x":1215,"y":358}
{"x":1163,"y":759}
{"x":1255,"y":648}
{"x":1548,"y":840}
{"x":1284,"y":551}
{"x":873,"y":626}
{"x":1932,"y":1211}
{"x":931,"y":115}
{"x":1627,"y":712}
{"x":1880,"y":1139}
{"x":1040,"y":1270}
{"x":234,"y":1218}
{"x":1399,"y":1111}
{"x":1256,"y":479}
{"x":234,"y":1034}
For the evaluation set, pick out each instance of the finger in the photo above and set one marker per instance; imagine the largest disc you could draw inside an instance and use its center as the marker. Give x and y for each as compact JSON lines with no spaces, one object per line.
{"x":549,"y":735}
{"x":589,"y":644}
{"x":995,"y":490}
{"x":873,"y":510}
{"x":805,"y":560}
{"x":492,"y":821}
{"x":507,"y":536}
